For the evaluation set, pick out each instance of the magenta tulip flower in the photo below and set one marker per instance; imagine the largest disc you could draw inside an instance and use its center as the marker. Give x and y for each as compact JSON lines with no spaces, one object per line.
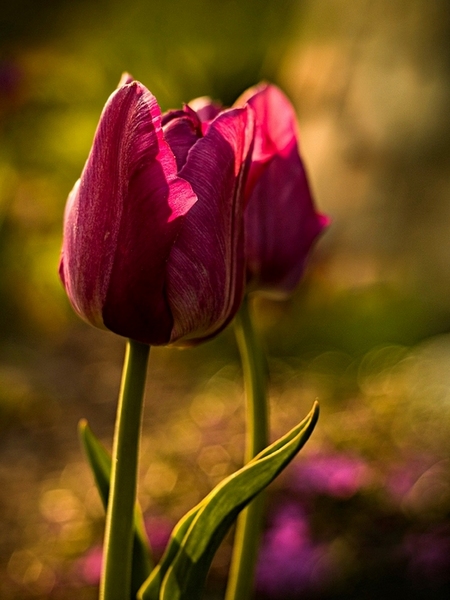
{"x":281,"y":223}
{"x":153,"y":243}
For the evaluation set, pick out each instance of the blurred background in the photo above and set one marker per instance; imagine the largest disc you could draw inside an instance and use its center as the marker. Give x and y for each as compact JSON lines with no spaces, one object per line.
{"x":364,"y":511}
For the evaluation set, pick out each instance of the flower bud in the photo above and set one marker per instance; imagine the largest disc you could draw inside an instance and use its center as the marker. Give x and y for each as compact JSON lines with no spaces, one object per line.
{"x":281,"y":223}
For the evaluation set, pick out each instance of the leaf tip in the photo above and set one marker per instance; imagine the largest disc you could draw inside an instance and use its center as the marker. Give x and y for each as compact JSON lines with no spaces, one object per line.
{"x":83,"y":425}
{"x":315,"y":411}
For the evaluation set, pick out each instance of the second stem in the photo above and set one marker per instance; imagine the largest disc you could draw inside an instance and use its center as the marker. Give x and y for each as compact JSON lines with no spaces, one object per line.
{"x":249,"y":524}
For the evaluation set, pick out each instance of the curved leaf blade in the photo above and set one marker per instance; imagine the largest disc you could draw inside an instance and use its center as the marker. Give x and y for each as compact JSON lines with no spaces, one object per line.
{"x":209,"y":521}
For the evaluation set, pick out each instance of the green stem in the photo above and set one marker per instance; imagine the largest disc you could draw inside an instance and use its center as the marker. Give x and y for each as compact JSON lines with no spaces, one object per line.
{"x":116,"y":575}
{"x":248,"y":527}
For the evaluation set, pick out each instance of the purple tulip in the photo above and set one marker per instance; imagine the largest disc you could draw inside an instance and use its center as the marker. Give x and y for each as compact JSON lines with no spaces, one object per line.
{"x":281,"y":223}
{"x":153,"y":231}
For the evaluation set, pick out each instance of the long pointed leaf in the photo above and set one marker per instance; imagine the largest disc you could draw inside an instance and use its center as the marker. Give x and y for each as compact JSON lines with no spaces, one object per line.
{"x":100,"y":463}
{"x":209,"y":521}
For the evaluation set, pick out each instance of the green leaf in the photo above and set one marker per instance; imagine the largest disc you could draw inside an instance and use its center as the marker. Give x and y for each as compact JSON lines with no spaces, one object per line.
{"x":151,"y":588}
{"x":100,"y":462}
{"x":195,"y":539}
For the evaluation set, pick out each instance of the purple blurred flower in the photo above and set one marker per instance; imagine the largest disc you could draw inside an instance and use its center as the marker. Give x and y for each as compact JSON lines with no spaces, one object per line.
{"x":90,"y":565}
{"x":158,"y":530}
{"x":290,"y":562}
{"x":339,"y":475}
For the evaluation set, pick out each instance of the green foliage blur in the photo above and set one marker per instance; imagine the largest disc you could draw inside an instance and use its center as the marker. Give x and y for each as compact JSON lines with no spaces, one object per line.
{"x":364,"y":512}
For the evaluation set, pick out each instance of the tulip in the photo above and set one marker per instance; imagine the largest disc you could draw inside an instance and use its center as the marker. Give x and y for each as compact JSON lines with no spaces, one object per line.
{"x":153,"y":243}
{"x":281,"y":223}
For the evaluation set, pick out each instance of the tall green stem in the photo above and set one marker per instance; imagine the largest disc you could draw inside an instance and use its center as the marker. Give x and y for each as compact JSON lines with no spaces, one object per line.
{"x":116,"y":575}
{"x":248,"y":527}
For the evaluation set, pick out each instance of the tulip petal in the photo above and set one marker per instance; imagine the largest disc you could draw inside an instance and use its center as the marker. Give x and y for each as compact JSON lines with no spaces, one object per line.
{"x":276,"y":124}
{"x":182,"y":128}
{"x":206,"y":267}
{"x":281,"y":225}
{"x":206,"y":109}
{"x":121,"y":221}
{"x":275,"y":128}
